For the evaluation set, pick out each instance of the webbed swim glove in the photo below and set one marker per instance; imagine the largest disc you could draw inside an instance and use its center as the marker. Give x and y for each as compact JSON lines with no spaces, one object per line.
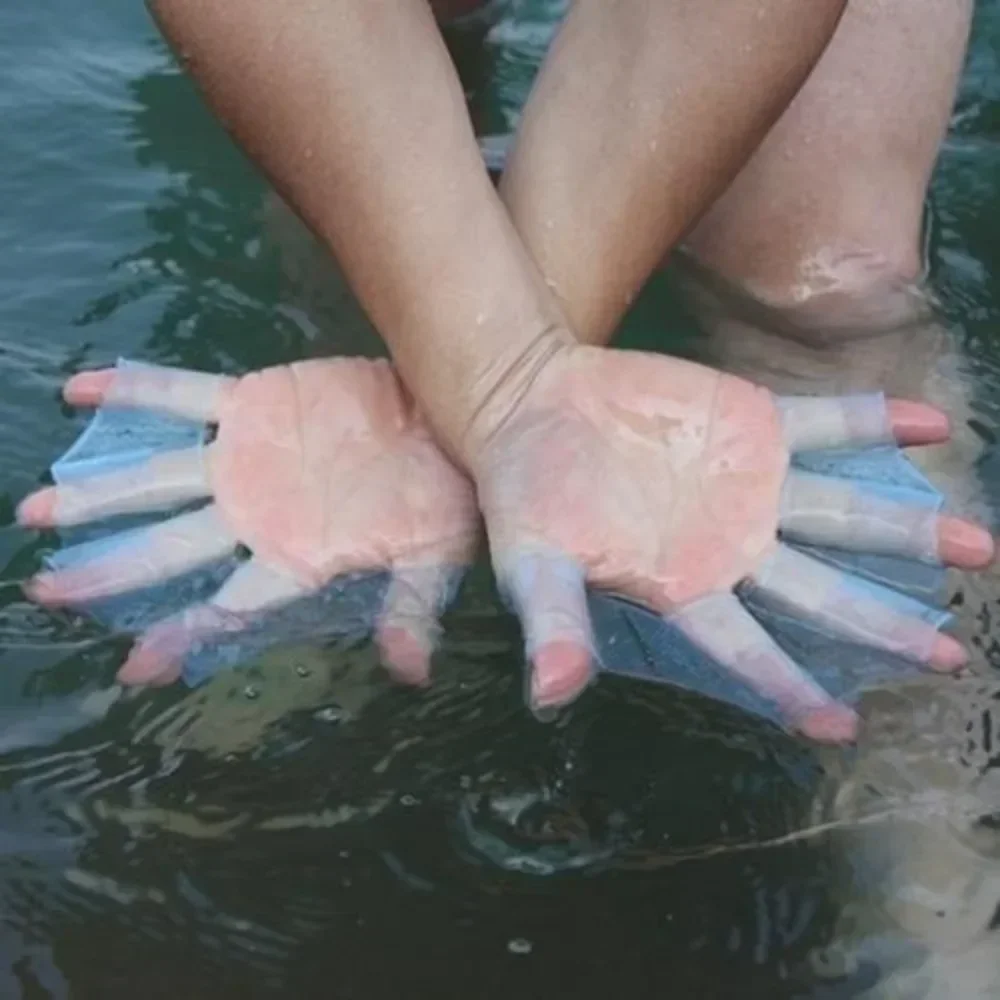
{"x":323,"y":471}
{"x":717,"y":508}
{"x":859,"y":565}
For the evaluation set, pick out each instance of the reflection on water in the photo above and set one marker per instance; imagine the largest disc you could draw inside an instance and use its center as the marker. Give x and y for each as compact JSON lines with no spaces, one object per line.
{"x":302,"y":828}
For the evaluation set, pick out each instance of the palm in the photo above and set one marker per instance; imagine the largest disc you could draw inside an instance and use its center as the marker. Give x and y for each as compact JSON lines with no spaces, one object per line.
{"x":690,"y":466}
{"x":323,"y":468}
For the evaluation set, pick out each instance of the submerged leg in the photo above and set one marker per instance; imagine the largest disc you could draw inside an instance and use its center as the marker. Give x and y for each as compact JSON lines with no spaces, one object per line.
{"x":806,"y":276}
{"x":807,"y":272}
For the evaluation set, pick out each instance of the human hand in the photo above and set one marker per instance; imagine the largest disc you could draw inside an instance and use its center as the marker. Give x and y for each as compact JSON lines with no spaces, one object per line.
{"x":670,"y":484}
{"x":321,"y":468}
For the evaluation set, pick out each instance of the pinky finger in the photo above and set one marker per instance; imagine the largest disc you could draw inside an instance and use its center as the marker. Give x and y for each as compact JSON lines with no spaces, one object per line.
{"x":859,"y":421}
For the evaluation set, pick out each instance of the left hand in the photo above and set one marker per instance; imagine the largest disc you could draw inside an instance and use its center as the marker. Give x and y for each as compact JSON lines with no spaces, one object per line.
{"x":320,"y":468}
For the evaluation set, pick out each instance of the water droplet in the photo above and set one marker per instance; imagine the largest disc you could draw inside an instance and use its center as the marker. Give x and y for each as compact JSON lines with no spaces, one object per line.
{"x":519,"y":946}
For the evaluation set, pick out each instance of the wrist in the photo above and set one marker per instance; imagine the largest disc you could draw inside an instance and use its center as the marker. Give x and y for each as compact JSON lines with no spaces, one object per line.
{"x":499,"y":390}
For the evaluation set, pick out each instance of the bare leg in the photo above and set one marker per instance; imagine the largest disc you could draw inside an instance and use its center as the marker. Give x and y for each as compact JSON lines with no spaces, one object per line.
{"x":836,"y":191}
{"x":807,"y":274}
{"x":808,"y":270}
{"x":824,"y":225}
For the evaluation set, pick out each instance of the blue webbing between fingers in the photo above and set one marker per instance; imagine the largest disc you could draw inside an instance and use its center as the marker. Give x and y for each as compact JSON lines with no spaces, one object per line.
{"x":117,"y":437}
{"x":635,"y":642}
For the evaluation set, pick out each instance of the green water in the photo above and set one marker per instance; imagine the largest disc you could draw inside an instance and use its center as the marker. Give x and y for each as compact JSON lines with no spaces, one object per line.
{"x":304,"y":829}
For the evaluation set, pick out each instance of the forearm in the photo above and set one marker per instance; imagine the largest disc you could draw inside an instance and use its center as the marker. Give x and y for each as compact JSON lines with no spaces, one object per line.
{"x":353,"y":109}
{"x":643,"y":112}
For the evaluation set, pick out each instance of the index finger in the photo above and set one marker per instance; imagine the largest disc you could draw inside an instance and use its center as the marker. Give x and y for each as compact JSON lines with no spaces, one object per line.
{"x":720,"y":626}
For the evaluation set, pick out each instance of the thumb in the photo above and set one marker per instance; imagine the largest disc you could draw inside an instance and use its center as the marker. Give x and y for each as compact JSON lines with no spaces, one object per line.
{"x":408,"y":629}
{"x":548,"y":593}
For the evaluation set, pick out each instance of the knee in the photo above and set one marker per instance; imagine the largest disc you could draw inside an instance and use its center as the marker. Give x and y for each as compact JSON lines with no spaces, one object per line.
{"x":850,"y":293}
{"x":821,"y":299}
{"x":848,"y":266}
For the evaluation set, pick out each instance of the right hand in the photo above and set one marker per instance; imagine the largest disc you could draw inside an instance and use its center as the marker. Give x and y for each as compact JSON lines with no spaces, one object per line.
{"x":669,"y":483}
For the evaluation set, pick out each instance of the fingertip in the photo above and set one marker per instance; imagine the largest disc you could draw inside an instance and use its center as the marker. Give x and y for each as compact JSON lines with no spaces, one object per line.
{"x":69,"y":587}
{"x":88,"y":388}
{"x":43,"y":589}
{"x":157,"y":658}
{"x":964,"y":544}
{"x":948,"y":654}
{"x":149,"y":665}
{"x":917,"y":423}
{"x":38,"y":509}
{"x":833,"y":723}
{"x":562,"y":670}
{"x":407,"y":656}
